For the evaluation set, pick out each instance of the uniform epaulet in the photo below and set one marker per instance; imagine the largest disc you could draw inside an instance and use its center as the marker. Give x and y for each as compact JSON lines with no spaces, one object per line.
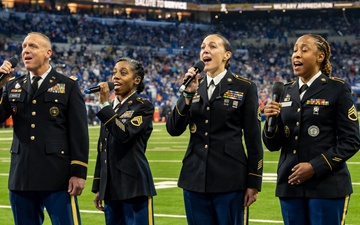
{"x":241,"y":78}
{"x":142,"y":100}
{"x":73,"y":78}
{"x":289,"y":83}
{"x":337,"y":79}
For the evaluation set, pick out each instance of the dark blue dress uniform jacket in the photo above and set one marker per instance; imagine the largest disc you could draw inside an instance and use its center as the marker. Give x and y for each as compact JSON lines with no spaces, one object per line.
{"x":50,"y":141}
{"x":122,"y":170}
{"x":216,"y":159}
{"x":322,"y":129}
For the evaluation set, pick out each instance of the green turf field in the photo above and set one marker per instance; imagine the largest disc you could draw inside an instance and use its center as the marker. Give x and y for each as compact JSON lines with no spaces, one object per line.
{"x":165,"y":154}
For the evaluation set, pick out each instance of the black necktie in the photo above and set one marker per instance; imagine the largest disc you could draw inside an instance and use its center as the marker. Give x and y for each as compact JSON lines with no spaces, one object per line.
{"x":117,"y":107}
{"x":303,"y":88}
{"x":211,"y":89}
{"x":35,"y":84}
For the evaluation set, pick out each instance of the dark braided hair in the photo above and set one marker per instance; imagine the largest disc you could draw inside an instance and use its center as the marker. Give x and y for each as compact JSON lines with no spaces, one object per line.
{"x":323,"y":46}
{"x":138,"y":70}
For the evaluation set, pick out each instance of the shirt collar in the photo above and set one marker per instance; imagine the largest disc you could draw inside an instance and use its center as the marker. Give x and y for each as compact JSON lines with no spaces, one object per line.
{"x":216,"y":79}
{"x":310,"y":81}
{"x":116,"y":100}
{"x":42,"y":76}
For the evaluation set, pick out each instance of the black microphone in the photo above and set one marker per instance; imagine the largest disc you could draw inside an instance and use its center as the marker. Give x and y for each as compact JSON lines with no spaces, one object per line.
{"x":13,"y":62}
{"x":278,"y":89}
{"x":97,"y":88}
{"x":199,"y":66}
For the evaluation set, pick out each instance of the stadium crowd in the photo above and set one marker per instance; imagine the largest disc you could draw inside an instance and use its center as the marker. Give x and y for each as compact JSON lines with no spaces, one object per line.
{"x":88,"y":46}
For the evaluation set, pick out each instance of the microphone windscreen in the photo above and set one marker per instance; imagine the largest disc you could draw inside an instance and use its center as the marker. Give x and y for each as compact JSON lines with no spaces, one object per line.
{"x":13,"y":61}
{"x":278,"y":88}
{"x":200,"y":65}
{"x":111,"y":85}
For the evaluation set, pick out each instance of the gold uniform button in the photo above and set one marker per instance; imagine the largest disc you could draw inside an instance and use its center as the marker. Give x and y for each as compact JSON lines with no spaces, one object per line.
{"x":105,"y":161}
{"x":56,"y":100}
{"x":206,"y":146}
{"x":62,"y":152}
{"x":206,"y":121}
{"x":33,"y":113}
{"x":32,"y":138}
{"x":294,"y":152}
{"x":105,"y":139}
{"x":206,"y":133}
{"x":296,"y":138}
{"x":298,"y":109}
{"x":34,"y":101}
{"x":208,"y":108}
{"x":297,"y":123}
{"x":32,"y":125}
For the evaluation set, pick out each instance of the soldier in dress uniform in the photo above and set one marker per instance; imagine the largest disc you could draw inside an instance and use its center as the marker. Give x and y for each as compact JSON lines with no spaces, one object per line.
{"x":49,"y":152}
{"x":219,"y":178}
{"x":122,"y":178}
{"x":317,"y":131}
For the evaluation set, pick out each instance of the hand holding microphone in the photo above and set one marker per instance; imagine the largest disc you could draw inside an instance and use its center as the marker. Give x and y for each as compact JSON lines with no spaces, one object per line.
{"x":97,"y":88}
{"x":199,"y":67}
{"x":278,"y":89}
{"x":13,"y":61}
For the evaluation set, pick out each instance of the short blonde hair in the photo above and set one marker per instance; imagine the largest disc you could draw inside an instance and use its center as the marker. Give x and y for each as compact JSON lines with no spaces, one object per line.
{"x":46,"y":38}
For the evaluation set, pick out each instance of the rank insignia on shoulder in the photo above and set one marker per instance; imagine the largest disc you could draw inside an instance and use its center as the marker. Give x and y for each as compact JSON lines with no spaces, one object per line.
{"x":241,"y":78}
{"x":352,"y":113}
{"x":337,"y":79}
{"x":11,"y":78}
{"x":137,"y":121}
{"x":140,"y":100}
{"x":73,"y":78}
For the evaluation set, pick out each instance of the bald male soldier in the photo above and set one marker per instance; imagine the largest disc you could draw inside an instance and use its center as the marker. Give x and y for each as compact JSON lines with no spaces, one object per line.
{"x":49,"y":152}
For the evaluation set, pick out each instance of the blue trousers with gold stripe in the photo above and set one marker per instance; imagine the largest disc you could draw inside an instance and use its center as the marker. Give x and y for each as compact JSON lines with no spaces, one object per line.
{"x":314,"y":211}
{"x":134,"y":211}
{"x":215,"y":208}
{"x":28,"y":207}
